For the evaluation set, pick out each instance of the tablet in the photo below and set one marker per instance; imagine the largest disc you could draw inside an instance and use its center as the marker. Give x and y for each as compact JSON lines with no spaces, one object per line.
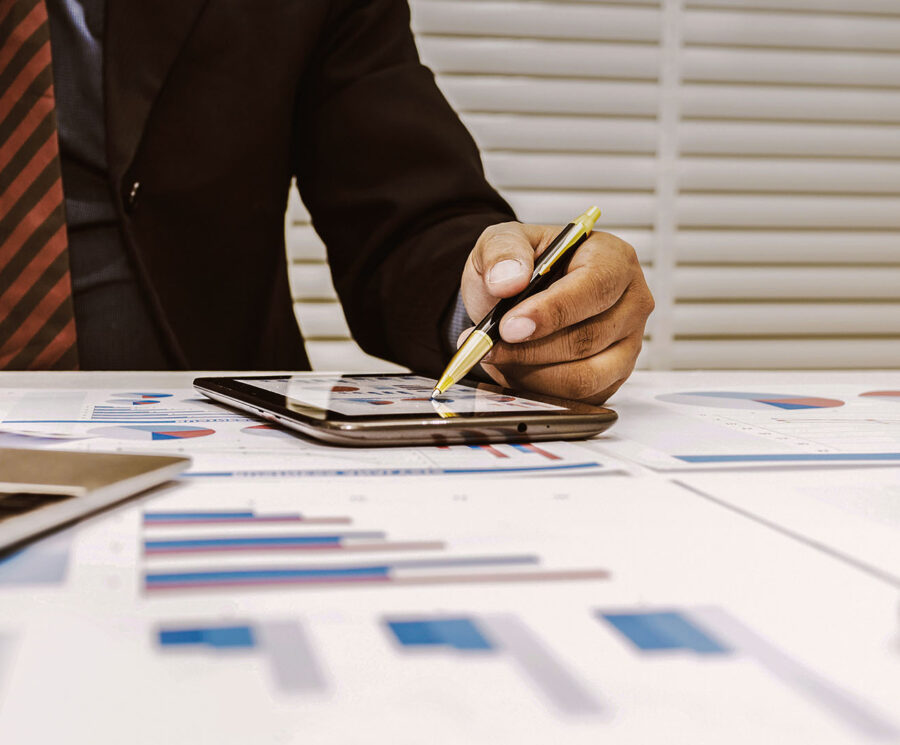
{"x":41,"y":490}
{"x":376,"y":409}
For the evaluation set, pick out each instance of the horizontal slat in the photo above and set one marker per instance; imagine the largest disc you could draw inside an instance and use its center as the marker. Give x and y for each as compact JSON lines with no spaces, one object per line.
{"x":879,"y":7}
{"x":788,"y":138}
{"x":540,"y":58}
{"x":346,"y":357}
{"x":311,"y":282}
{"x":763,"y":211}
{"x":539,"y":96}
{"x":790,"y":67}
{"x":304,"y":244}
{"x":296,"y":210}
{"x":791,"y":246}
{"x":319,"y":320}
{"x":558,"y":208}
{"x":761,"y":283}
{"x":555,"y":20}
{"x":769,"y":319}
{"x":800,"y":30}
{"x":781,"y":354}
{"x":563,"y":133}
{"x":772,"y":102}
{"x":561,"y":171}
{"x":787,"y":175}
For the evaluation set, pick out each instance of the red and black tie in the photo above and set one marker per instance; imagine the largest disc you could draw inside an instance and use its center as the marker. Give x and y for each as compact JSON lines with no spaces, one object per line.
{"x":37,"y":320}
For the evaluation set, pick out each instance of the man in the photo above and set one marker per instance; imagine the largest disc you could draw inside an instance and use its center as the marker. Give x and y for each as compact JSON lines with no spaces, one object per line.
{"x":181,"y":124}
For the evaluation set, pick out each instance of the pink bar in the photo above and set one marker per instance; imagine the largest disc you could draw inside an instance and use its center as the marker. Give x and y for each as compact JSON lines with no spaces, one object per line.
{"x":540,"y":451}
{"x":493,"y":451}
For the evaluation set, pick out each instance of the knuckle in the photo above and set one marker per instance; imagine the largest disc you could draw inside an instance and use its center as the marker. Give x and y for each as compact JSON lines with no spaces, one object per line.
{"x":582,"y":342}
{"x":519,"y":354}
{"x":559,"y":313}
{"x":501,"y":232}
{"x":489,"y":232}
{"x":624,"y":249}
{"x":630,"y":254}
{"x":605,"y":286}
{"x":646,"y":302}
{"x":582,"y":384}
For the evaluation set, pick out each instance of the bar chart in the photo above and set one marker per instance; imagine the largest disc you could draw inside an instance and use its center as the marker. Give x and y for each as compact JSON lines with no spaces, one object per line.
{"x":312,"y":559}
{"x":506,"y":637}
{"x":707,"y":631}
{"x":283,"y":643}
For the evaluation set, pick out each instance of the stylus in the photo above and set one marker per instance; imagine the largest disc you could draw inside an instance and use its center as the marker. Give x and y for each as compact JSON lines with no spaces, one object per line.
{"x":487,"y":332}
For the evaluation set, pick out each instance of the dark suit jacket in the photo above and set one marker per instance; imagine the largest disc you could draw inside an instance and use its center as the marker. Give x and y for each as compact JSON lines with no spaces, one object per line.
{"x":212,"y":107}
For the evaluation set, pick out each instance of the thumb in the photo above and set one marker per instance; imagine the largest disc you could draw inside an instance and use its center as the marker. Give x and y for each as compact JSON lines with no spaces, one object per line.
{"x":499,"y":266}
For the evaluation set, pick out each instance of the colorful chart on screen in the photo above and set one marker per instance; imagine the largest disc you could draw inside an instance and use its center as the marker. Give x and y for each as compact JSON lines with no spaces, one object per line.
{"x":742,"y":400}
{"x":152,"y":432}
{"x":883,"y":395}
{"x":361,"y":395}
{"x":268,"y":430}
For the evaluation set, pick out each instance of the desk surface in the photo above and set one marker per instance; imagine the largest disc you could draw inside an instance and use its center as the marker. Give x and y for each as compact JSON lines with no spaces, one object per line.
{"x":723,"y":566}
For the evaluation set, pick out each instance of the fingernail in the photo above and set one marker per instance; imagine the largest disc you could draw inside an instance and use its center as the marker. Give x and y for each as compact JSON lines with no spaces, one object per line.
{"x":463,"y":336}
{"x":504,"y":271}
{"x":518,"y":329}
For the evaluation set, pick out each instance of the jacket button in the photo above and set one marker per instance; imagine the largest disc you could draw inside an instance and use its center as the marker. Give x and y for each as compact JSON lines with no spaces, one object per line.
{"x":131,"y":196}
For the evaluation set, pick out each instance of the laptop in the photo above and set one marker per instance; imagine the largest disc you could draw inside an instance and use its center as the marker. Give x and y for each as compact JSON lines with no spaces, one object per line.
{"x":41,"y":490}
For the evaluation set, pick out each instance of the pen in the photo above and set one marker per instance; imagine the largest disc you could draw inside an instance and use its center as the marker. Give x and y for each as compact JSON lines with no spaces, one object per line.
{"x":487,"y":332}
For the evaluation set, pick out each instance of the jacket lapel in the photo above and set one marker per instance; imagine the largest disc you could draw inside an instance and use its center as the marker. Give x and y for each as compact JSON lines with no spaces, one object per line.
{"x":142,"y":40}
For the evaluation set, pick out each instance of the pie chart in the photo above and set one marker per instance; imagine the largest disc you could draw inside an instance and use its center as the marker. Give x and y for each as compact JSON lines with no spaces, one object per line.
{"x":742,"y":400}
{"x":884,"y":395}
{"x":152,"y":432}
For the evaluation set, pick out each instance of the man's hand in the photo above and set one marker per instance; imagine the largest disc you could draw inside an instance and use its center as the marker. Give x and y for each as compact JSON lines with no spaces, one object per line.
{"x":577,"y":339}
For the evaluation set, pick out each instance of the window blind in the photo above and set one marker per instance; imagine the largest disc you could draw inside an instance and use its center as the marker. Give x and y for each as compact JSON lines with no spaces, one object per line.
{"x":748,"y":149}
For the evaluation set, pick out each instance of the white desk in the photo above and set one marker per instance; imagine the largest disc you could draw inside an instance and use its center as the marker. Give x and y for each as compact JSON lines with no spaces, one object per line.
{"x":658,"y":596}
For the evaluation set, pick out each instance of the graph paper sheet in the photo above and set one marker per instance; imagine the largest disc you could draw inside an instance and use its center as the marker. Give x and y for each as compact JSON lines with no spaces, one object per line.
{"x":537,"y":611}
{"x":225,"y":444}
{"x":704,"y":425}
{"x":855,"y":513}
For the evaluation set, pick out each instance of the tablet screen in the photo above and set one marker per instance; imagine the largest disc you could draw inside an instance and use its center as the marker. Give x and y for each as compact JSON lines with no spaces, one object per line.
{"x":373,"y":395}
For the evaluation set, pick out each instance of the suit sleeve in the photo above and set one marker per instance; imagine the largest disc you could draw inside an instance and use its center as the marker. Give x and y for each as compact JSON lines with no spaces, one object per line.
{"x":393,"y":181}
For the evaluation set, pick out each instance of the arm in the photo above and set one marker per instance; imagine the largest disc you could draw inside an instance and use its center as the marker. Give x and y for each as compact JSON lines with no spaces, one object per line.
{"x":393,"y":182}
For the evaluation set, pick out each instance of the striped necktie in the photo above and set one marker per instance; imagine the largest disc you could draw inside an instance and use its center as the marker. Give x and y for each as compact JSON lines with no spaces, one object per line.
{"x":37,"y":320}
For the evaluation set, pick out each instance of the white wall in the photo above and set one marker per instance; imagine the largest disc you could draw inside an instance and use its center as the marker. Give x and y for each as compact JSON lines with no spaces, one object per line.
{"x":748,"y":149}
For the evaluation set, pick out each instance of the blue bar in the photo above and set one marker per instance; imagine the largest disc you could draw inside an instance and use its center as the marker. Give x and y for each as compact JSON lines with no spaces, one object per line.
{"x":219,"y":638}
{"x":325,"y":540}
{"x":244,"y":575}
{"x":458,"y":633}
{"x":652,"y":632}
{"x":790,"y":457}
{"x":151,"y":516}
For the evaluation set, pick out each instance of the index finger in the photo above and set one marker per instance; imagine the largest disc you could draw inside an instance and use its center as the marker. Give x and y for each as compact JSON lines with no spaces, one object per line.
{"x":600,"y":271}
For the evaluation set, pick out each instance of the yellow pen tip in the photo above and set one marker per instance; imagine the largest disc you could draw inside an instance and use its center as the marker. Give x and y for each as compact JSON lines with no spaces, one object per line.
{"x":589,"y":218}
